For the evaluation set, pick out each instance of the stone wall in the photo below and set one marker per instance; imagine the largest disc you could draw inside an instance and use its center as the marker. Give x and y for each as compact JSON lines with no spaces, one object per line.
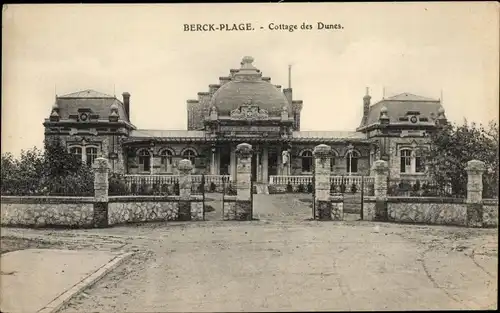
{"x":229,"y":210}
{"x":337,"y":208}
{"x":369,"y":208}
{"x":133,"y":209}
{"x":490,"y":212}
{"x":427,"y":210}
{"x":77,"y":212}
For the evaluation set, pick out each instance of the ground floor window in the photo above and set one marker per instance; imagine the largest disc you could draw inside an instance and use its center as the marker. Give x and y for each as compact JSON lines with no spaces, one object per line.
{"x":87,"y":154}
{"x":144,"y":160}
{"x":352,"y":161}
{"x":307,"y":161}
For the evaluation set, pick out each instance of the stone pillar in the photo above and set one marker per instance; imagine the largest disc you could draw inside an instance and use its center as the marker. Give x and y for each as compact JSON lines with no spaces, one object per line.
{"x":265,"y":165}
{"x":279,"y":163}
{"x":101,"y":186}
{"x":323,"y":206}
{"x":212,"y":161}
{"x":185,"y":167}
{"x":380,"y":170}
{"x":259,"y":168}
{"x":232,"y":161}
{"x":243,"y":182}
{"x":475,"y":170}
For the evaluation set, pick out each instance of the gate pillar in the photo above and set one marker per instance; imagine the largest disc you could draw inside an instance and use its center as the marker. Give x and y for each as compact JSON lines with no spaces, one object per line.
{"x":380,"y":169}
{"x":323,"y":205}
{"x":185,"y":167}
{"x":475,"y":170}
{"x":243,"y":182}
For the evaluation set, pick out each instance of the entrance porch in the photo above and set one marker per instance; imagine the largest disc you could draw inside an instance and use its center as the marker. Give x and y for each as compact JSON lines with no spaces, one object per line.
{"x":266,"y":161}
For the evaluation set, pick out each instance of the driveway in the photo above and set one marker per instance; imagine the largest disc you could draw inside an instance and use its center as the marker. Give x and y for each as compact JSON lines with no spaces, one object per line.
{"x":284,"y":264}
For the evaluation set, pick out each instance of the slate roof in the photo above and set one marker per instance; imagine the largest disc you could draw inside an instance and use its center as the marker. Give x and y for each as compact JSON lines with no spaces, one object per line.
{"x":328,"y":134}
{"x":398,"y":106}
{"x":160,"y":133}
{"x":247,"y":84}
{"x":99,"y":103}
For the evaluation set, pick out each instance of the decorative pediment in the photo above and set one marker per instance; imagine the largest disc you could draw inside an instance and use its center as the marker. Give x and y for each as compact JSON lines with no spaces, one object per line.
{"x":249,"y":111}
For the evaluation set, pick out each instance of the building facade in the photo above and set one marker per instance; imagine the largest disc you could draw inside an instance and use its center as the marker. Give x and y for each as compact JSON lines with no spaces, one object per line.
{"x":245,"y":107}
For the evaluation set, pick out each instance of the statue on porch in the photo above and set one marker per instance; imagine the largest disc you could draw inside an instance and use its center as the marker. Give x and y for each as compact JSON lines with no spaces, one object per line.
{"x":285,"y":156}
{"x":286,"y":162}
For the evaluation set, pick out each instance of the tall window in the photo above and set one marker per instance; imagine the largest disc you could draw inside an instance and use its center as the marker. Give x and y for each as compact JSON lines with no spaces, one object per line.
{"x":144,"y":160}
{"x":411,"y":161}
{"x":87,"y":154}
{"x":166,"y":160}
{"x":419,"y":163}
{"x":352,"y":161}
{"x":190,"y":155}
{"x":76,"y":151}
{"x":307,"y":161}
{"x":333,"y":162}
{"x":406,"y":161}
{"x":91,"y":155}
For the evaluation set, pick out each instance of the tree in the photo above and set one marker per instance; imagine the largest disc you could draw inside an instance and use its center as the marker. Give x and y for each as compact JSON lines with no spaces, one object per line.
{"x":54,"y":171}
{"x":452,"y":146}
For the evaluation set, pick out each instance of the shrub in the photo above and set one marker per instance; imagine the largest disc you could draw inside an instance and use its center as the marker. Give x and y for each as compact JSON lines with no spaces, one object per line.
{"x":213,"y":187}
{"x":354,"y":188}
{"x":309,"y":188}
{"x":301,"y":188}
{"x":289,"y":188}
{"x":342,"y":188}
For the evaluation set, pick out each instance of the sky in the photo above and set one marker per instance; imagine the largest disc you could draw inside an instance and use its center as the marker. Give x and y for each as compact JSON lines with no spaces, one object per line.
{"x":426,"y":49}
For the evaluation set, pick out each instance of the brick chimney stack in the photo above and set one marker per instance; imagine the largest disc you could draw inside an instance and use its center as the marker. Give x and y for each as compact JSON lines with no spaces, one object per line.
{"x":366,"y":104}
{"x":126,"y":103}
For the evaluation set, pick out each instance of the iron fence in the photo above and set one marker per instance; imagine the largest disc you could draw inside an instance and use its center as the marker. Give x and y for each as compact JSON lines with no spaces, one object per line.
{"x":417,"y":188}
{"x":340,"y":185}
{"x":144,"y":185}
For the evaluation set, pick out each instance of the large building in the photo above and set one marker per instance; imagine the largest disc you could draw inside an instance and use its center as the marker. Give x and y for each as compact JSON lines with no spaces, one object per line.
{"x":245,"y":107}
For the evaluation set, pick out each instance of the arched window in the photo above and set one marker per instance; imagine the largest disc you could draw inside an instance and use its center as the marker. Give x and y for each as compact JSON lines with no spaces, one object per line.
{"x":333,"y":161}
{"x":144,"y":160}
{"x":307,"y":161}
{"x":352,"y":161}
{"x":91,"y":155}
{"x":166,"y":160}
{"x":189,"y":154}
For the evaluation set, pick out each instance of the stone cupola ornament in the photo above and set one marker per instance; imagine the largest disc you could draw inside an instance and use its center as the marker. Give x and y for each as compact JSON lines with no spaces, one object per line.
{"x":384,"y":118}
{"x":114,"y":115}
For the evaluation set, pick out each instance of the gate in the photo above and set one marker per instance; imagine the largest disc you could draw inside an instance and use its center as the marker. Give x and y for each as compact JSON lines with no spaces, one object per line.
{"x":313,"y":182}
{"x":228,"y":195}
{"x":352,"y":190}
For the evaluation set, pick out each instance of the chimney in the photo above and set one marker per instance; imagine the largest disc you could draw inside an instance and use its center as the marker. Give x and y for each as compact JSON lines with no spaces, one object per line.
{"x":126,"y":103}
{"x":288,"y":94}
{"x":366,"y":104}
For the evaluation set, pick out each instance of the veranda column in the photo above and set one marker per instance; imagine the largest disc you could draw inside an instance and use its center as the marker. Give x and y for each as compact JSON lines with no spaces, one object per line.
{"x":322,"y":155}
{"x":185,"y":167}
{"x":212,"y":161}
{"x":475,"y":170}
{"x":380,"y":170}
{"x":243,"y":182}
{"x":265,"y":164}
{"x":232,"y":161}
{"x":279,"y":164}
{"x":101,"y":186}
{"x":259,"y":167}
